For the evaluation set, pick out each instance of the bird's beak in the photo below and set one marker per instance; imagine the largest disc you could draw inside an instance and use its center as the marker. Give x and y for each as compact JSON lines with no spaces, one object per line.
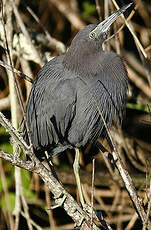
{"x":104,"y":26}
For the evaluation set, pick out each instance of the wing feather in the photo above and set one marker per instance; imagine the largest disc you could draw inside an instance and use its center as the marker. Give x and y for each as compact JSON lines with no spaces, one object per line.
{"x":51,"y":107}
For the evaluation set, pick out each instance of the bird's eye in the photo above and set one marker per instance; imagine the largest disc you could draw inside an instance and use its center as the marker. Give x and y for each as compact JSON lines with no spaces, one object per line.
{"x":92,"y":35}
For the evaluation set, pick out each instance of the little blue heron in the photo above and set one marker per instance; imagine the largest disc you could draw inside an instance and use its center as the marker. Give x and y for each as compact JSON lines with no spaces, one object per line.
{"x":61,"y":110}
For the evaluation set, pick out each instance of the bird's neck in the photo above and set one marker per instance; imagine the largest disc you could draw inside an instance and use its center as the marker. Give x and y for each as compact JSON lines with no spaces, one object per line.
{"x":82,"y":58}
{"x":81,"y":61}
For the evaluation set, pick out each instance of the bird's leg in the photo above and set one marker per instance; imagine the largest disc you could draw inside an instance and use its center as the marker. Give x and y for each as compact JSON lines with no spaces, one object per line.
{"x":49,"y":161}
{"x":77,"y":177}
{"x":62,"y":197}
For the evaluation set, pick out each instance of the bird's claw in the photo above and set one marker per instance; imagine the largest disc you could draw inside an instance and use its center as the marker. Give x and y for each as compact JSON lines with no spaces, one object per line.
{"x":79,"y":224}
{"x":59,"y":200}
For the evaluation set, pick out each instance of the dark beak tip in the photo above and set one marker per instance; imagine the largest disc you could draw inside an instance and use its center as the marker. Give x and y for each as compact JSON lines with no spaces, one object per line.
{"x":105,"y":25}
{"x":131,"y":5}
{"x":127,"y":9}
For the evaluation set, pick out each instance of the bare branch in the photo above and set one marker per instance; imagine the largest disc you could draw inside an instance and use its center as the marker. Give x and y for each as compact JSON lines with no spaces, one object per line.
{"x":54,"y":43}
{"x":131,"y":189}
{"x":25,"y":32}
{"x":80,"y":217}
{"x":73,"y":17}
{"x":4,"y":103}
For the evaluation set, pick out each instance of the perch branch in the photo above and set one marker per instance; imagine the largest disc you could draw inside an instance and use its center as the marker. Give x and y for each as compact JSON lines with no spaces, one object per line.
{"x":80,"y":217}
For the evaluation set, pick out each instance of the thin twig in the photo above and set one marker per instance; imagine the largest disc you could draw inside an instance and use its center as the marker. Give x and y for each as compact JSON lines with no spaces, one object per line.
{"x":49,"y":211}
{"x":59,"y":46}
{"x":122,"y":26}
{"x":130,"y":188}
{"x":132,"y":32}
{"x":72,"y":16}
{"x":22,"y":75}
{"x":8,"y":37}
{"x":25,"y":32}
{"x":139,"y":82}
{"x":5,"y":188}
{"x":5,"y":103}
{"x":92,"y":191}
{"x":26,"y":69}
{"x":32,"y":222}
{"x":149,"y":204}
{"x":98,"y":8}
{"x":26,"y":209}
{"x":14,"y":81}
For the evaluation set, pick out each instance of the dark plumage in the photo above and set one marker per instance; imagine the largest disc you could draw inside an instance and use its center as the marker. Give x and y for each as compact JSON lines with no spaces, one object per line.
{"x":61,"y":111}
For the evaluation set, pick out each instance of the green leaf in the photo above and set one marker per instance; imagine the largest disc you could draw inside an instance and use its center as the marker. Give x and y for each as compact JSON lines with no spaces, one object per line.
{"x":11,"y":202}
{"x":26,"y":178}
{"x":1,"y":187}
{"x":6,"y":147}
{"x":89,"y":9}
{"x":3,"y":131}
{"x":140,"y":107}
{"x":9,"y":175}
{"x":26,"y":182}
{"x":30,"y":195}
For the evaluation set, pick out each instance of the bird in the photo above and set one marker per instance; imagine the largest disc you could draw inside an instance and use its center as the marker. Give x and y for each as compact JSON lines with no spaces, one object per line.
{"x":70,"y":92}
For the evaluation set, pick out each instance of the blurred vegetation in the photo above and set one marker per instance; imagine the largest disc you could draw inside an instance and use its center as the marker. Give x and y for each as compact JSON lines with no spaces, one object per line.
{"x":88,"y":9}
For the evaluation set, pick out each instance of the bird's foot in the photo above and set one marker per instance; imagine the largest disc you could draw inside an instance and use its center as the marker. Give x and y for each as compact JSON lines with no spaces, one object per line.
{"x":59,"y":200}
{"x":79,"y":224}
{"x":96,"y":217}
{"x":88,"y":209}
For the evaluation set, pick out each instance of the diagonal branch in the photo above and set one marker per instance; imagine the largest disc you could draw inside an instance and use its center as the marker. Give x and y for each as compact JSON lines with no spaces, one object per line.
{"x":61,"y":196}
{"x":22,"y":75}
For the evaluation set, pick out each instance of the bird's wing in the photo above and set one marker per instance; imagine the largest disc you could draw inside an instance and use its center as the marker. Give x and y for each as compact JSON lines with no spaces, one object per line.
{"x":61,"y":102}
{"x":51,"y":108}
{"x":110,"y":88}
{"x":111,"y":82}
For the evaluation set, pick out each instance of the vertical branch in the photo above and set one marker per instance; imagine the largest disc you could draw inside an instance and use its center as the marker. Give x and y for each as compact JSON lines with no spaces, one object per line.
{"x":13,"y":82}
{"x":25,"y":207}
{"x":116,"y":39}
{"x":27,"y":70}
{"x":131,"y":189}
{"x":4,"y":185}
{"x":25,"y":32}
{"x":98,"y":8}
{"x":106,"y":8}
{"x":49,"y":211}
{"x":130,"y":27}
{"x":59,"y":46}
{"x":106,"y":46}
{"x":7,"y":39}
{"x":17,"y":209}
{"x":149,"y":203}
{"x":92,"y":192}
{"x":37,"y":59}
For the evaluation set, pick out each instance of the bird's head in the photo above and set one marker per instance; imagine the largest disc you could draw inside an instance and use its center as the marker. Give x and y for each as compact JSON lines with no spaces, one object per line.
{"x":85,"y":46}
{"x":100,"y":32}
{"x":97,"y":33}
